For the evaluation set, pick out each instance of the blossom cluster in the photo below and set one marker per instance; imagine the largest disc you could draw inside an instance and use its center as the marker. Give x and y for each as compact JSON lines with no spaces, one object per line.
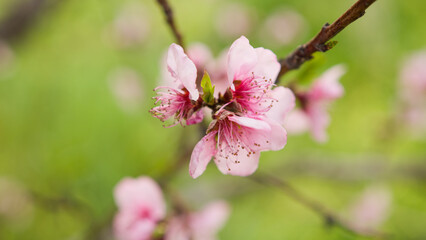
{"x":248,"y":110}
{"x":142,"y":214}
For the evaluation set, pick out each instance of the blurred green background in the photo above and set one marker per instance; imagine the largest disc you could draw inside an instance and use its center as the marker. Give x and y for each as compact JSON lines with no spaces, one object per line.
{"x":65,"y":136}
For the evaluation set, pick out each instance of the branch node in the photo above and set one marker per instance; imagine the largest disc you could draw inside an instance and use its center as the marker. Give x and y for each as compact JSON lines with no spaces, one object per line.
{"x":320,"y":43}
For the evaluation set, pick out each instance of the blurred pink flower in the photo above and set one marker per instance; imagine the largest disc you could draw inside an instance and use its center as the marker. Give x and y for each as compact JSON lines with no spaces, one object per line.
{"x":415,"y":118}
{"x":297,"y":122}
{"x":315,"y":102}
{"x":126,"y":86}
{"x":140,"y":207}
{"x":179,"y":95}
{"x":234,"y":20}
{"x":202,"y":225}
{"x":200,"y":54}
{"x":131,"y":26}
{"x":283,"y":27}
{"x":413,"y":78}
{"x":371,"y":209}
{"x":413,"y":93}
{"x":218,"y":73}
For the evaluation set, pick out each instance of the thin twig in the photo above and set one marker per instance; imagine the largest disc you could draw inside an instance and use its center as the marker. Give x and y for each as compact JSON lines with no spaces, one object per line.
{"x":331,"y":218}
{"x":168,"y":12}
{"x":320,"y":42}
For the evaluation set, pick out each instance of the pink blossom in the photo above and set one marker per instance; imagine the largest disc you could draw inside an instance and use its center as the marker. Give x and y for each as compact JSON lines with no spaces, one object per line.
{"x":413,"y":78}
{"x":283,"y":27}
{"x":413,"y":93}
{"x":202,"y":225}
{"x":327,"y":86}
{"x":218,"y":73}
{"x":234,"y":20}
{"x":371,"y":209}
{"x":200,"y":54}
{"x":251,"y":74}
{"x":235,"y":142}
{"x":178,"y":99}
{"x":297,"y":122}
{"x":242,"y":128}
{"x":131,"y":26}
{"x":126,"y":86}
{"x":140,"y":207}
{"x":314,"y":114}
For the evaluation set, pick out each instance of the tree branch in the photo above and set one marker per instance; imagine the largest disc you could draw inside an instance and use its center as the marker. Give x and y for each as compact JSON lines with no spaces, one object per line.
{"x":168,"y":12}
{"x":320,"y":42}
{"x":330,"y":218}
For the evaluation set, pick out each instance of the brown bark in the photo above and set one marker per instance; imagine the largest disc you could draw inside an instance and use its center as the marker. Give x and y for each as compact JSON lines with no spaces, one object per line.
{"x":320,"y":43}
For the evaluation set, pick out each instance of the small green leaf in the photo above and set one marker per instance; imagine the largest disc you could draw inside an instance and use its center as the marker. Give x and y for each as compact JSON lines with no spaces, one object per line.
{"x":208,"y":89}
{"x":330,"y":44}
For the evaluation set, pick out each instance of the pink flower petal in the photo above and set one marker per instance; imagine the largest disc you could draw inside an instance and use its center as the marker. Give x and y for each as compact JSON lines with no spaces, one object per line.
{"x":217,"y":70}
{"x":143,"y":192}
{"x":202,"y":154}
{"x":178,"y":229}
{"x":128,"y":227}
{"x":327,"y":86}
{"x":285,"y":103}
{"x":297,"y":122}
{"x":182,"y":69}
{"x":196,"y":117}
{"x":241,"y":59}
{"x":276,"y":139}
{"x":264,"y":140}
{"x":240,"y":165}
{"x":250,"y":123}
{"x":206,"y":223}
{"x":267,"y":65}
{"x":166,"y":78}
{"x":320,"y":120}
{"x":200,"y":55}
